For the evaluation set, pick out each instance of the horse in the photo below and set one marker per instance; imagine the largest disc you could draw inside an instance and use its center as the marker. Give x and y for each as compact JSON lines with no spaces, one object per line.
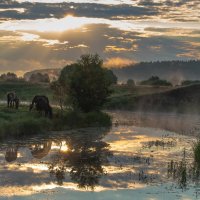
{"x":12,"y":100}
{"x":41,"y":104}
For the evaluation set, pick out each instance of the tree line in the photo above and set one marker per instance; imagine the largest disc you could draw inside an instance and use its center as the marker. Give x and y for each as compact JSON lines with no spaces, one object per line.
{"x":34,"y":78}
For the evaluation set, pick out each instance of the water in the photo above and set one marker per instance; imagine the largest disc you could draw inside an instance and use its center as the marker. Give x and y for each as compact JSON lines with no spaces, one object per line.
{"x":128,"y":161}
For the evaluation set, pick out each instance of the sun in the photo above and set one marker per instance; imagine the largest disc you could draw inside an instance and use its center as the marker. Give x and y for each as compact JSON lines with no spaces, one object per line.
{"x":72,"y":22}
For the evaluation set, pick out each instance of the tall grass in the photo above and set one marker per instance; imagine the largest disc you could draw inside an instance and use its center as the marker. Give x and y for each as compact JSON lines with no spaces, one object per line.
{"x":18,"y":123}
{"x":196,"y":152}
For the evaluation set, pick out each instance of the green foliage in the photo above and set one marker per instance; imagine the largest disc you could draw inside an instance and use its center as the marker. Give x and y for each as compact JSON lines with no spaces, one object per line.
{"x":196,"y":151}
{"x":189,"y":82}
{"x":130,"y":82}
{"x":58,"y":93}
{"x":24,"y":127}
{"x":87,"y":83}
{"x":9,"y":77}
{"x":24,"y":90}
{"x":39,"y":78}
{"x":156,"y":81}
{"x":111,"y":76}
{"x":18,"y":123}
{"x":167,"y":99}
{"x":15,"y":123}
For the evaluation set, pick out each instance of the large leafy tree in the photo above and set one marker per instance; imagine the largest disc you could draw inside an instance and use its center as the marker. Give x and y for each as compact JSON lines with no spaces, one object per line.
{"x":87,"y":83}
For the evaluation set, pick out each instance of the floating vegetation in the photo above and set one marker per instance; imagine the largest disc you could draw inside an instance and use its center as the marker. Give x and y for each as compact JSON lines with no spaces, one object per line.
{"x":160,"y":143}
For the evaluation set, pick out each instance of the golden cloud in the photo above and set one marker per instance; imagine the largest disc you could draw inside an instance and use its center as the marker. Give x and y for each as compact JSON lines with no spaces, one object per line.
{"x":118,"y":62}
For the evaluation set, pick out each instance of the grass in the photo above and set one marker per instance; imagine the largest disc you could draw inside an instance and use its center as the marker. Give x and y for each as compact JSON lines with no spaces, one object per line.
{"x":125,"y":90}
{"x":185,"y":171}
{"x":181,"y":100}
{"x":142,"y":98}
{"x":21,"y":123}
{"x":196,"y":152}
{"x":17,"y":123}
{"x":24,"y":90}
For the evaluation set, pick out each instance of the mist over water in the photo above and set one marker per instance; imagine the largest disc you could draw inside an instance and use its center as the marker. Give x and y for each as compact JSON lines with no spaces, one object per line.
{"x":131,"y":157}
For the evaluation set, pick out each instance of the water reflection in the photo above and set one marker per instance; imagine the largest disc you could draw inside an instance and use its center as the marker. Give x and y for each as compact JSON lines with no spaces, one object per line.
{"x":125,"y":157}
{"x":39,"y":151}
{"x":84,"y":158}
{"x":81,"y":154}
{"x":11,"y":153}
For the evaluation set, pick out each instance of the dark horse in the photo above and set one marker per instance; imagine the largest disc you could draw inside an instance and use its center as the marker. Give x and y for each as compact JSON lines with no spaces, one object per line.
{"x":42,"y":104}
{"x":12,"y":100}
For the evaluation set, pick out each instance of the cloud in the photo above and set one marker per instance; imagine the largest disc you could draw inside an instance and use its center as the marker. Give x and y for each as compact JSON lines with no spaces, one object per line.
{"x":176,"y":10}
{"x":118,"y":62}
{"x":60,"y":10}
{"x":27,"y":50}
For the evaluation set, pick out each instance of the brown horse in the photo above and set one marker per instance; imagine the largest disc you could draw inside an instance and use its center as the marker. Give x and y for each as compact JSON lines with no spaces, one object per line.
{"x":41,"y":104}
{"x":12,"y":100}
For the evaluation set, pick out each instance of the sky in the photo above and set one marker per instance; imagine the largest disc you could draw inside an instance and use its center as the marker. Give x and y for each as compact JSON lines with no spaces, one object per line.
{"x":38,"y":34}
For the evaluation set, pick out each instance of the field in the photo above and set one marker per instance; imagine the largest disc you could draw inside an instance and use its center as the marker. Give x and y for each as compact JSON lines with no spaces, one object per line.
{"x":182,"y":99}
{"x":22,"y":123}
{"x":143,"y":98}
{"x":24,"y":90}
{"x":124,"y":90}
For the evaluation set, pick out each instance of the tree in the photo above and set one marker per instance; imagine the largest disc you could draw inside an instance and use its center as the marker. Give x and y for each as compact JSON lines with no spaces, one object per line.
{"x":39,"y":78}
{"x":9,"y":77}
{"x":111,"y":76}
{"x":130,"y":82}
{"x":58,"y":93}
{"x":87,"y":83}
{"x":155,"y":81}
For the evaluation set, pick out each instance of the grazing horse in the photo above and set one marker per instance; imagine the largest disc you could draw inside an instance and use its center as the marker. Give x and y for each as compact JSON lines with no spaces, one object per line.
{"x":12,"y":100}
{"x":41,"y":104}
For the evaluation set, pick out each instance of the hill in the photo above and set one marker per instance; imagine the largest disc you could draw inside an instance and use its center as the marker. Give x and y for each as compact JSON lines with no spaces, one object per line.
{"x":173,"y":71}
{"x":183,"y":100}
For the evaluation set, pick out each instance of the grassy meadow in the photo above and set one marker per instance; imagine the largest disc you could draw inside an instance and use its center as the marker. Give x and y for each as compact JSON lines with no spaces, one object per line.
{"x":143,"y":98}
{"x":24,"y":90}
{"x":21,"y":123}
{"x":173,"y":99}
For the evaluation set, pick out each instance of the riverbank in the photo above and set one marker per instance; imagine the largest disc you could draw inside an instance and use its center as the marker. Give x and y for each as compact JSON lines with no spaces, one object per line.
{"x":125,"y":159}
{"x":19,"y":123}
{"x":177,"y":100}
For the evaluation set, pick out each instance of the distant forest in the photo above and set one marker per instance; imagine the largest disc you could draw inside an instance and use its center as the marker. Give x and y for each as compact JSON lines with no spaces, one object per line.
{"x":173,"y":71}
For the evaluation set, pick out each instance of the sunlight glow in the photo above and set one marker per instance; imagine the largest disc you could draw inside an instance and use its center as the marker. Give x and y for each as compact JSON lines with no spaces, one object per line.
{"x":19,"y":10}
{"x":71,"y":22}
{"x":47,"y":25}
{"x":64,"y":147}
{"x":109,"y":2}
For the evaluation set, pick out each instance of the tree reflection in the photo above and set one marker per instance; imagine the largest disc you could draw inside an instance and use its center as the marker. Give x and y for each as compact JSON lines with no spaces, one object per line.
{"x":84,"y":160}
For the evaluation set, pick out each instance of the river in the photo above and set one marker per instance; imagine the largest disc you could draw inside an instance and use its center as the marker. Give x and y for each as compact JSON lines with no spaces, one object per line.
{"x":128,"y":161}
